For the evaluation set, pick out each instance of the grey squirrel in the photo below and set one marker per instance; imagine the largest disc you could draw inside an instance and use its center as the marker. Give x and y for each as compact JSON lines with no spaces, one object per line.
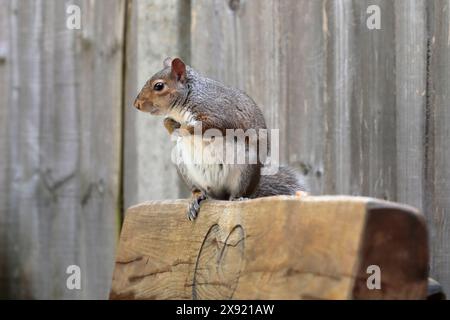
{"x":188,"y":99}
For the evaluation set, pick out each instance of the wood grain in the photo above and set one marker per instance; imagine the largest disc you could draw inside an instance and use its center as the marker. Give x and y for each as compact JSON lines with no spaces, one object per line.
{"x":60,"y":119}
{"x":437,"y":143}
{"x":411,"y":97}
{"x":271,"y":248}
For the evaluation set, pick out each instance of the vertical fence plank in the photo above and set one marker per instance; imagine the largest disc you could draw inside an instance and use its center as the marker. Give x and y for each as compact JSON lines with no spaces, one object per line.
{"x":360,"y":110}
{"x":340,"y":79}
{"x":437,"y":189}
{"x":156,"y":29}
{"x":411,"y":76}
{"x":61,"y":123}
{"x":5,"y":67}
{"x":99,"y":76}
{"x":376,"y":104}
{"x":304,"y":90}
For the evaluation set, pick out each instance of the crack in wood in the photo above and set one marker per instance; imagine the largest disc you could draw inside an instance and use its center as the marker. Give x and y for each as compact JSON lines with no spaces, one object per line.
{"x":129,"y":261}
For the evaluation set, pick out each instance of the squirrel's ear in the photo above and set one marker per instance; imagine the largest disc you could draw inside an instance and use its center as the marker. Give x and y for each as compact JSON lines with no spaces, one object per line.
{"x":178,"y":69}
{"x":167,"y":62}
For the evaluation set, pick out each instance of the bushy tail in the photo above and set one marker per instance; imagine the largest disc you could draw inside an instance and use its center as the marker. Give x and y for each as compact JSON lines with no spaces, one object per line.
{"x":286,"y":181}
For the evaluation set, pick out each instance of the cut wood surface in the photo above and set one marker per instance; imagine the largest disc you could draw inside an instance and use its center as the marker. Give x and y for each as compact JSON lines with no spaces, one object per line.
{"x":272,"y":248}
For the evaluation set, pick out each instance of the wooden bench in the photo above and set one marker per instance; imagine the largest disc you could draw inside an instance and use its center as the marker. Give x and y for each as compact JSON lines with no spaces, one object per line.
{"x":273,"y":248}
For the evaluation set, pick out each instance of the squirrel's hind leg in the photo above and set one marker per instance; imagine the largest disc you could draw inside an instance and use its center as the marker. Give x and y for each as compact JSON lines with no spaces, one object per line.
{"x":194,"y":205}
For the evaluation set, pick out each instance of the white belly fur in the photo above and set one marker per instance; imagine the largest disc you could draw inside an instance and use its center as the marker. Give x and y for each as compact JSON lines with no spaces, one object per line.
{"x":209,"y":173}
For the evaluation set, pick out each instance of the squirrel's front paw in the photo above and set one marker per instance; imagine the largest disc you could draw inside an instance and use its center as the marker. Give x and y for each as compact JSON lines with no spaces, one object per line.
{"x":171,"y":125}
{"x":194,"y":206}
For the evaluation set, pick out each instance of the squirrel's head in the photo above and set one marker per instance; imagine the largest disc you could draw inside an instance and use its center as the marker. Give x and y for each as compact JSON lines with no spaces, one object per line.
{"x":163,"y":89}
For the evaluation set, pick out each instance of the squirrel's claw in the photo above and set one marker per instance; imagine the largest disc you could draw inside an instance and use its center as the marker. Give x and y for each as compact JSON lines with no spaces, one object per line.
{"x":239,"y":198}
{"x":194,"y":206}
{"x":193,"y":210}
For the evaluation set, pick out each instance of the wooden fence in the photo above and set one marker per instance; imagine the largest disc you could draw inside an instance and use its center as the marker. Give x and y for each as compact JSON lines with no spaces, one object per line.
{"x":360,"y":112}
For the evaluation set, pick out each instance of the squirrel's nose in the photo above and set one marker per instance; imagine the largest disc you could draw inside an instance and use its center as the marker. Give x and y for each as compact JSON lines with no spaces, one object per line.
{"x":138,"y":103}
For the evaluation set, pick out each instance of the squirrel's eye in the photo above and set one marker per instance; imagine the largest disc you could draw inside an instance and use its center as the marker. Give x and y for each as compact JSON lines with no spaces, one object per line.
{"x":158,"y":86}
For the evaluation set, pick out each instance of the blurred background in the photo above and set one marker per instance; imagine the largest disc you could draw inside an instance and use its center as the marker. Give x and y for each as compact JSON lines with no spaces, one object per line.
{"x":361,"y":111}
